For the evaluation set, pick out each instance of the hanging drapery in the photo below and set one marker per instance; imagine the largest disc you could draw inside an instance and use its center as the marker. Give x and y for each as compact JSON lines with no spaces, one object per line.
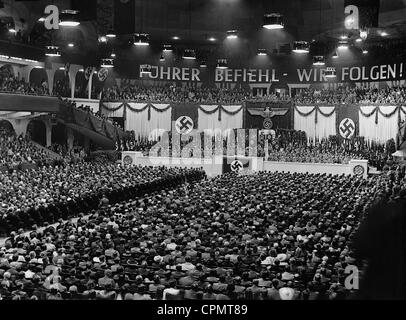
{"x":326,"y":122}
{"x":305,"y":120}
{"x":402,"y":113}
{"x":214,"y":117}
{"x":378,"y":124}
{"x":112,"y":109}
{"x":147,"y":120}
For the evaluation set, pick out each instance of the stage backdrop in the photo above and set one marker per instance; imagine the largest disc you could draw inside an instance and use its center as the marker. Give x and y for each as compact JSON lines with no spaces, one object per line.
{"x":374,"y":123}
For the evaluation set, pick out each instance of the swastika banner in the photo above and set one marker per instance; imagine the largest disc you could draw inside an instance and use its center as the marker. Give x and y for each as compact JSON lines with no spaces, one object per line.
{"x":347,"y":121}
{"x":183,"y":113}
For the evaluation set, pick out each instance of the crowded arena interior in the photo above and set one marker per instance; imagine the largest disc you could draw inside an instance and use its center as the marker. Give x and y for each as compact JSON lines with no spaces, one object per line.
{"x":202,"y":150}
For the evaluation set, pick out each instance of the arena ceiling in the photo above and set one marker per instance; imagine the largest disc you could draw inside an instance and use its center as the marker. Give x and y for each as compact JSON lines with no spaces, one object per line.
{"x":196,"y":21}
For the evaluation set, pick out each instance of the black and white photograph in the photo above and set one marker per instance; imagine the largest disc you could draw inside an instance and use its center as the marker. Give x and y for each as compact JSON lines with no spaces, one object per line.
{"x":205,"y":158}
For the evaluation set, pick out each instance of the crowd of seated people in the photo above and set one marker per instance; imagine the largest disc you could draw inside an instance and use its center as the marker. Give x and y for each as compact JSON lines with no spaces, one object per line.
{"x":349,"y":95}
{"x":18,"y":150}
{"x":266,"y":236}
{"x":14,"y":85}
{"x":49,"y":193}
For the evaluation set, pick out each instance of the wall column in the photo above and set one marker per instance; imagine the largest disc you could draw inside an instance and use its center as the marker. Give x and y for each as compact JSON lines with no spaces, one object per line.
{"x":73,"y":70}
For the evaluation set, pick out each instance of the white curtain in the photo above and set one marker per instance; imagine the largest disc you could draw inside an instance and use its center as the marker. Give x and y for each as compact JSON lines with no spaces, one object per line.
{"x":152,"y":128}
{"x":326,"y":126}
{"x":385,"y":129}
{"x":306,"y":124}
{"x":402,"y":114}
{"x":211,"y":121}
{"x":113,"y":114}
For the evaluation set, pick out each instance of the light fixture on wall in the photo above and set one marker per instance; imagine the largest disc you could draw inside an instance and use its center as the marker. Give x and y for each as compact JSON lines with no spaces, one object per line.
{"x":203,"y":64}
{"x":261,"y":52}
{"x":111,"y":34}
{"x":167,"y":48}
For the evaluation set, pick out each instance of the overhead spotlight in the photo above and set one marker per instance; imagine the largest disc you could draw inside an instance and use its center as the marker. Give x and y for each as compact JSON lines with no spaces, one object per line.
{"x":261,"y":52}
{"x":52,"y":51}
{"x":318,"y":61}
{"x":301,"y":47}
{"x":189,"y":54}
{"x":343,"y":44}
{"x":232,"y":34}
{"x":358,"y":40}
{"x":145,"y":69}
{"x":175,"y":38}
{"x":203,"y":64}
{"x":61,"y":68}
{"x":71,"y":45}
{"x":141,"y":39}
{"x":81,"y":70}
{"x":330,"y":72}
{"x":69,"y":18}
{"x":364,"y":51}
{"x":383,"y":33}
{"x":363,"y":34}
{"x":162,"y":58}
{"x":102,"y":39}
{"x":111,"y":34}
{"x":273,"y":21}
{"x":107,"y":63}
{"x":167,"y":48}
{"x":42,"y":19}
{"x":211,"y":39}
{"x":113,"y":55}
{"x":344,"y":37}
{"x":222,"y":64}
{"x":335,"y":55}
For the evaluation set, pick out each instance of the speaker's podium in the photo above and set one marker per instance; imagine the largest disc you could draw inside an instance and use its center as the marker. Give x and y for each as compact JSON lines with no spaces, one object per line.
{"x":359,"y":168}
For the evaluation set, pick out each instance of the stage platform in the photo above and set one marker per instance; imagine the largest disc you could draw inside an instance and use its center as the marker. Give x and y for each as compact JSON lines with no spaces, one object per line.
{"x":218,"y":165}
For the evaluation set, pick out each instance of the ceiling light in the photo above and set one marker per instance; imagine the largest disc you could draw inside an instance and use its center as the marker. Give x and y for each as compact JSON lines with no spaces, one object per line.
{"x":145,"y":69}
{"x":42,"y":19}
{"x":261,"y":52}
{"x":107,"y":63}
{"x":203,"y":64}
{"x":358,"y":40}
{"x":232,"y":34}
{"x":175,"y":38}
{"x":343,"y":45}
{"x":113,"y":55}
{"x":189,"y":54}
{"x":301,"y":47}
{"x":167,"y":48}
{"x":364,"y":51}
{"x":222,"y":64}
{"x":330,"y":72}
{"x":273,"y":21}
{"x":111,"y":34}
{"x":102,"y":39}
{"x":141,"y":39}
{"x":212,"y":39}
{"x":344,"y":37}
{"x":52,"y":51}
{"x":81,"y":70}
{"x":71,"y":45}
{"x":318,"y":61}
{"x":335,"y":55}
{"x":69,"y":18}
{"x":383,"y":33}
{"x":162,"y":58}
